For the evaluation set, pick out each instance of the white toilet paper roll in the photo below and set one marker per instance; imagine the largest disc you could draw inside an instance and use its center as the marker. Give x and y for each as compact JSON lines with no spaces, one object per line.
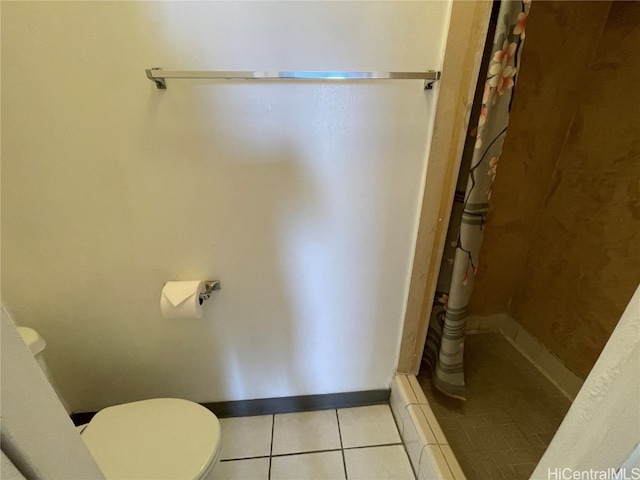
{"x":181,"y":300}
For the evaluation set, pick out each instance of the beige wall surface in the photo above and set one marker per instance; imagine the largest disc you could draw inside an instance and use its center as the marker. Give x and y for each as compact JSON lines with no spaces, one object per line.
{"x":561,"y":246}
{"x":302,"y":198}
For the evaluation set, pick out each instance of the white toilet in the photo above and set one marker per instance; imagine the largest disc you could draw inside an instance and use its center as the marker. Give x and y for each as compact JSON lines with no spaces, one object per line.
{"x":162,"y":438}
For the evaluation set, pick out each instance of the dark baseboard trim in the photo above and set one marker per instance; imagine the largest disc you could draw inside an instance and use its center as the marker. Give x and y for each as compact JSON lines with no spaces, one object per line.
{"x":303,"y":403}
{"x":269,"y":406}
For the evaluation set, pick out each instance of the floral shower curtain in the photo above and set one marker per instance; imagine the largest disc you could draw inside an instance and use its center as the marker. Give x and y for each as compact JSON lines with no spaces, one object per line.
{"x":446,"y":333}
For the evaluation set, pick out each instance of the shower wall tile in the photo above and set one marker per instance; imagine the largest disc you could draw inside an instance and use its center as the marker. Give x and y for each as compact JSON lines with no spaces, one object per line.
{"x":536,"y":352}
{"x":492,"y":323}
{"x":566,"y":381}
{"x":509,"y":327}
{"x":571,"y":383}
{"x":545,"y":361}
{"x":543,"y":105}
{"x":473,"y":323}
{"x":559,"y":252}
{"x":528,"y":344}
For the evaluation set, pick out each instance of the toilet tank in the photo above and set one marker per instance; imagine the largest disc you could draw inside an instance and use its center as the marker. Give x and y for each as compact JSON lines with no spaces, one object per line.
{"x":33,"y":340}
{"x":36,"y":345}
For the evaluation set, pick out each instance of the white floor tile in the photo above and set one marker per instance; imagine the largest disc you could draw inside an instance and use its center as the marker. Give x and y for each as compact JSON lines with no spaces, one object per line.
{"x":312,"y":466}
{"x":305,"y":432}
{"x":366,"y":426}
{"x":251,"y":469}
{"x":378,"y":463}
{"x":244,"y":437}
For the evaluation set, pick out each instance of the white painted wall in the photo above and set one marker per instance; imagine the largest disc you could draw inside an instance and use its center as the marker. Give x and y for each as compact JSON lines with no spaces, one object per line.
{"x":601,"y":431}
{"x":301,"y":198}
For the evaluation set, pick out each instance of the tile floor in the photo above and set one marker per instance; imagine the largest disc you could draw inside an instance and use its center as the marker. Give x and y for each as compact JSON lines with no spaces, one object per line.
{"x":348,"y":443}
{"x":511,"y":413}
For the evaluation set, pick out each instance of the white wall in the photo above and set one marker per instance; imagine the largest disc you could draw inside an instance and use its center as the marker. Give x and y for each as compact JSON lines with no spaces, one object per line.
{"x":601,"y":430}
{"x":301,"y":198}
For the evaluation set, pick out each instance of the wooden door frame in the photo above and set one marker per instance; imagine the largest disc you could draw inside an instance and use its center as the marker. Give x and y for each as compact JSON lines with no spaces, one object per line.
{"x":463,"y":56}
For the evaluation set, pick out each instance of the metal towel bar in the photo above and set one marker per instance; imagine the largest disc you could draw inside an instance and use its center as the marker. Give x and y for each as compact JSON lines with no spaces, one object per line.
{"x":158,"y":76}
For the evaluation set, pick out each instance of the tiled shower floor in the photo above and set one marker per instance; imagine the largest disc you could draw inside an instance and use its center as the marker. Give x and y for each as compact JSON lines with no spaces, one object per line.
{"x":511,"y":413}
{"x":348,"y":443}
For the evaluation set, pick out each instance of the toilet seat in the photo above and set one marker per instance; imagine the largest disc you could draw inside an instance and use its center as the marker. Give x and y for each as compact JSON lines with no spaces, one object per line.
{"x":162,"y":438}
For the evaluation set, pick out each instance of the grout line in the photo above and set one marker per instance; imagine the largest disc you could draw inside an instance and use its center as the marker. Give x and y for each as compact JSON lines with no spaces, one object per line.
{"x":306,"y":452}
{"x":446,"y":462}
{"x":374,"y":446}
{"x":559,"y":385}
{"x":243,"y":458}
{"x":342,"y":448}
{"x":404,"y":416}
{"x":344,"y":461}
{"x":413,"y":389}
{"x":416,"y":471}
{"x":273,"y":427}
{"x":414,"y":468}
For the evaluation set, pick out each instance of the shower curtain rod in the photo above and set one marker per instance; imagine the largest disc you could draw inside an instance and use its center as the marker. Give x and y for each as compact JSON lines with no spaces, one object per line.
{"x":158,"y":76}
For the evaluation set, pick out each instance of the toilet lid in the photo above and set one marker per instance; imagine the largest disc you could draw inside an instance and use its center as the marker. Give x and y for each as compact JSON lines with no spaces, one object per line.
{"x":163,"y":438}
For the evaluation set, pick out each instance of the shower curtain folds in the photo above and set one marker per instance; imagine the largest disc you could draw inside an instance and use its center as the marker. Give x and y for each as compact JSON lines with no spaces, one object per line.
{"x":444,"y":348}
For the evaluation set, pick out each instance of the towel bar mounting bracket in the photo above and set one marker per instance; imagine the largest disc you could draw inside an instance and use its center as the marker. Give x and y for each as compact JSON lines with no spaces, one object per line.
{"x":159,"y":81}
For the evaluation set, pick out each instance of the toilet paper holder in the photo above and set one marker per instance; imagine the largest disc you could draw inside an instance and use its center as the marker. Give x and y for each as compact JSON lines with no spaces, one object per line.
{"x":210,"y":286}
